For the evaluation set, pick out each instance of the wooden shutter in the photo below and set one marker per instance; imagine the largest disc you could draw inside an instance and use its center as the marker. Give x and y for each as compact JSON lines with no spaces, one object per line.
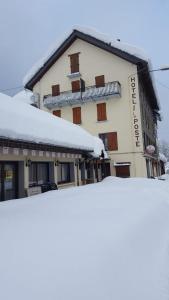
{"x":99,"y":81}
{"x":77,"y":115}
{"x":55,"y":90}
{"x":112,"y":141}
{"x":57,"y":113}
{"x":101,"y":112}
{"x":75,"y":86}
{"x":74,"y":62}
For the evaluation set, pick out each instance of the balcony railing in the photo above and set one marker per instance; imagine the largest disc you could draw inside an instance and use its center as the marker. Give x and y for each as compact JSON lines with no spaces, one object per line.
{"x":91,"y":93}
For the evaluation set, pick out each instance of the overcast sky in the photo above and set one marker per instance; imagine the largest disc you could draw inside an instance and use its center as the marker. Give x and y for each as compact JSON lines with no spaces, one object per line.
{"x":28,"y":28}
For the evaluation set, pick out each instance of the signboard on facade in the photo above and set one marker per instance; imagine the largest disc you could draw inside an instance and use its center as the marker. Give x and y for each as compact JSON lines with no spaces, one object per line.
{"x":135,"y":111}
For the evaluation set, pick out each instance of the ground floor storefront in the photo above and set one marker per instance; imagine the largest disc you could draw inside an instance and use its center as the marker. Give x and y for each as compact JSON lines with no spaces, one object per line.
{"x":26,"y":172}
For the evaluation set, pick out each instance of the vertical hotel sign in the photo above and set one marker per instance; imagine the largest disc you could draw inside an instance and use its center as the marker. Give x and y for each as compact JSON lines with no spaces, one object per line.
{"x":135,"y":111}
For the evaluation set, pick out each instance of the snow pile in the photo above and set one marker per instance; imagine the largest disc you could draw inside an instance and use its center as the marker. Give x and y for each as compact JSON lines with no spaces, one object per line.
{"x":20,"y":121}
{"x":162,"y":157}
{"x":91,"y":32}
{"x":108,"y":240}
{"x":24,"y":96}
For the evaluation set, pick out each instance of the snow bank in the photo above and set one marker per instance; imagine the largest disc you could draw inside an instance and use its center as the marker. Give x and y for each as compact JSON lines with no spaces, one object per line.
{"x":24,"y":96}
{"x":103,"y":241}
{"x":162,"y":157}
{"x":91,"y":32}
{"x":20,"y":121}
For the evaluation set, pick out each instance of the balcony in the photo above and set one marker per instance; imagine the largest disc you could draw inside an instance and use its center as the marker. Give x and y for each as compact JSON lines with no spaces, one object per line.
{"x":91,"y":93}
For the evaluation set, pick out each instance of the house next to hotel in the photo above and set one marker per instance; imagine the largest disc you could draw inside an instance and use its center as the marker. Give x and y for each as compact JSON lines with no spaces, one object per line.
{"x":106,"y":88}
{"x":39,"y":152}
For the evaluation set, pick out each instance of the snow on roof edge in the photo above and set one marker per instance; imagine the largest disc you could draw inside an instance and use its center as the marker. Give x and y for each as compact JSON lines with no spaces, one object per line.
{"x":93,"y":33}
{"x":23,"y":122}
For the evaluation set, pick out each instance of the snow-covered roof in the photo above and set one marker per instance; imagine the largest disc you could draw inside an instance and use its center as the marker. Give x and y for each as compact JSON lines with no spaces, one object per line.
{"x":19,"y":121}
{"x":132,"y":50}
{"x":24,"y":96}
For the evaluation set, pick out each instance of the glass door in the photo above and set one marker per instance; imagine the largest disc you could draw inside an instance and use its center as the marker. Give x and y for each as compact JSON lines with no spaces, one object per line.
{"x":8,"y":182}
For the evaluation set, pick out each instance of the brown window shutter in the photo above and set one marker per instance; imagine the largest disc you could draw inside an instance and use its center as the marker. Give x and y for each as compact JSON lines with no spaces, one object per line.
{"x":75,"y":86}
{"x":57,"y":113}
{"x":101,"y":112}
{"x":55,"y":90}
{"x":99,"y":81}
{"x":77,"y":115}
{"x":112,"y":141}
{"x":74,"y":62}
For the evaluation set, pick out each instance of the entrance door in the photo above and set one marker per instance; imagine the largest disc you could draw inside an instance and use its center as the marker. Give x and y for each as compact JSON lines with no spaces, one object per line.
{"x":8,"y":182}
{"x":123,"y":171}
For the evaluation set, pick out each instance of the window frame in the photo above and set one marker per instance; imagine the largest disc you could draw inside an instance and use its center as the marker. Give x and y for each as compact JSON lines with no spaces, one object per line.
{"x":36,"y":164}
{"x":61,"y":172}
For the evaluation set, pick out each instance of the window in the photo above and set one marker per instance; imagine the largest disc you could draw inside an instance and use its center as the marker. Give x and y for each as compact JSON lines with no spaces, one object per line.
{"x":77,"y":115}
{"x":75,"y":86}
{"x":38,"y":173}
{"x":57,"y":113}
{"x":74,"y":63}
{"x":101,"y":112}
{"x":55,"y":90}
{"x":109,"y":140}
{"x":99,"y":81}
{"x":64,"y":173}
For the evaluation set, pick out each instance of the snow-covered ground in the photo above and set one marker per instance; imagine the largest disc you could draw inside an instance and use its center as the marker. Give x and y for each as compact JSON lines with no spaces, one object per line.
{"x":108,"y":240}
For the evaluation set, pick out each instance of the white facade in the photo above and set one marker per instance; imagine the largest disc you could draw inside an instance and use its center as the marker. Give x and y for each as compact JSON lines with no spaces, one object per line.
{"x":123,"y":111}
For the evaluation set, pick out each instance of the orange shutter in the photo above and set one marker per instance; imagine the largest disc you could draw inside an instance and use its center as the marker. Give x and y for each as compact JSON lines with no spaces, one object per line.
{"x":112,"y":141}
{"x":99,"y":81}
{"x":77,"y":115}
{"x":55,"y":90}
{"x":57,"y":113}
{"x":75,"y":86}
{"x":101,"y":112}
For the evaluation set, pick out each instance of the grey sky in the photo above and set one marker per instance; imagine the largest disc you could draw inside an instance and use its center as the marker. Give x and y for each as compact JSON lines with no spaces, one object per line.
{"x":28,"y":28}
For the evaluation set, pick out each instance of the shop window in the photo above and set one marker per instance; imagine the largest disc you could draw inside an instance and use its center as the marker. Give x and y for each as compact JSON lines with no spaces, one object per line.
{"x":74,"y":63}
{"x":109,"y":140}
{"x":101,"y":112}
{"x":38,"y":173}
{"x":64,"y":172}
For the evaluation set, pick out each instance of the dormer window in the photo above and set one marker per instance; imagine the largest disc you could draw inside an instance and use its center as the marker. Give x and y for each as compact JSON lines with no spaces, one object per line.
{"x":74,"y":62}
